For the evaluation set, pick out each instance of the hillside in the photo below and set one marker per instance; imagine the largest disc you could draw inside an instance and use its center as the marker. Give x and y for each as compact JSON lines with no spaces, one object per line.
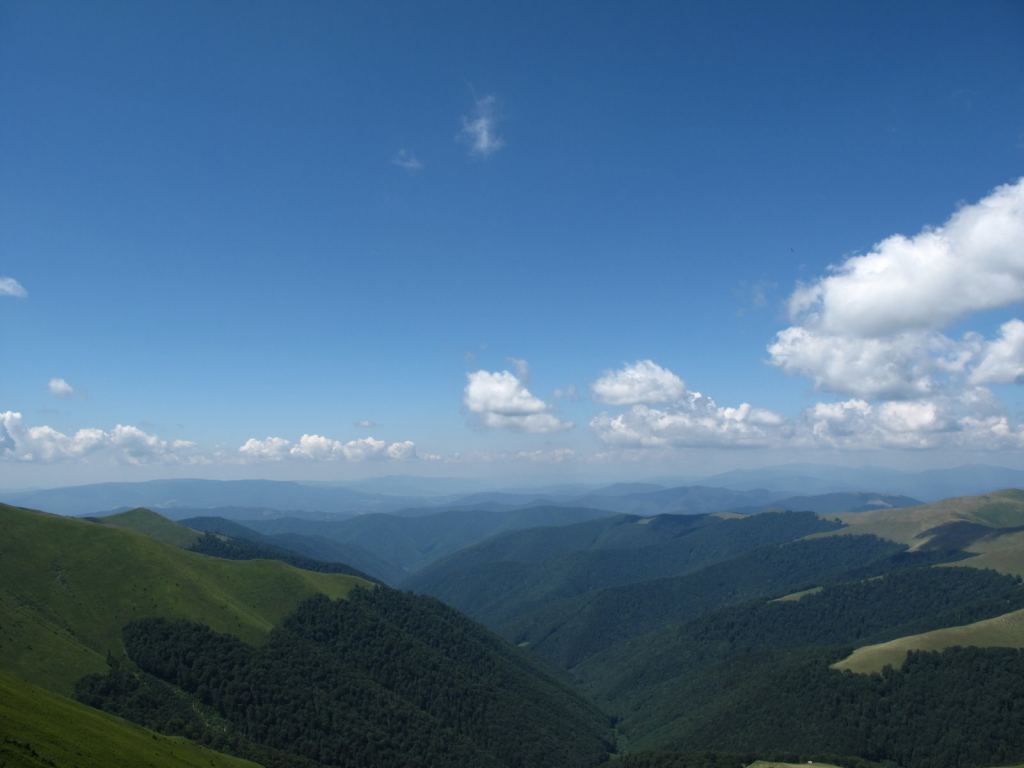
{"x":153,"y":525}
{"x":381,"y":678}
{"x":411,"y":543}
{"x":143,"y":629}
{"x":916,"y":526}
{"x":563,"y":588}
{"x":1005,"y":631}
{"x":313,"y":547}
{"x":833,"y":503}
{"x":756,"y":675}
{"x":67,"y":587}
{"x":42,"y":730}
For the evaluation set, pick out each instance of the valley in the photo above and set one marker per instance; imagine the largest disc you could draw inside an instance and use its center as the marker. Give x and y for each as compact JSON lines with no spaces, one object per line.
{"x":637,"y":640}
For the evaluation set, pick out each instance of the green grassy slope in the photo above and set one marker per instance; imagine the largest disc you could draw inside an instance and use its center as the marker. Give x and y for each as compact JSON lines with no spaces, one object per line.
{"x":1006,"y":631}
{"x":1000,"y":550}
{"x":1003,"y":553}
{"x":67,"y":587}
{"x":911,"y":525}
{"x":39,"y":729}
{"x":153,"y":525}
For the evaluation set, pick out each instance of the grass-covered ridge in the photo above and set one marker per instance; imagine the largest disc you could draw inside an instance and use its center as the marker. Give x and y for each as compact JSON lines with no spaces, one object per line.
{"x":1005,"y":631}
{"x":915,"y":526}
{"x":153,"y":525}
{"x":39,"y":729}
{"x":68,"y":587}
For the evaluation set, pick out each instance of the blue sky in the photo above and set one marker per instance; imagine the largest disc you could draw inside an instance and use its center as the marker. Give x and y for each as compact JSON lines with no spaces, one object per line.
{"x":268,"y":219}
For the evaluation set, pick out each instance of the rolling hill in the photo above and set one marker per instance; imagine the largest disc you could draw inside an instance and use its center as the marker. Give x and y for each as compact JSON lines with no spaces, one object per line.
{"x":568,"y":592}
{"x":102,"y":610}
{"x":43,"y":730}
{"x":411,"y":543}
{"x":67,"y":587}
{"x":153,"y":525}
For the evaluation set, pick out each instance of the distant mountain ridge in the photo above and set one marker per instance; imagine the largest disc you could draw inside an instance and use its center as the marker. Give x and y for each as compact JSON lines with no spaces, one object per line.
{"x":411,"y":496}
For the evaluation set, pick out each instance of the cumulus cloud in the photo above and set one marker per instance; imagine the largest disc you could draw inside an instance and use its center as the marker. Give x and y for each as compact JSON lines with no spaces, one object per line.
{"x":11,"y":287}
{"x":60,"y":387}
{"x":500,"y":399}
{"x":873,"y":327}
{"x":124,"y":443}
{"x":480,"y":128}
{"x":685,"y":418}
{"x":320,"y":448}
{"x":402,"y":451}
{"x":695,"y":420}
{"x":908,"y":364}
{"x":974,"y":261}
{"x":407,"y":160}
{"x":971,"y":422}
{"x":641,"y":382}
{"x":1001,"y":361}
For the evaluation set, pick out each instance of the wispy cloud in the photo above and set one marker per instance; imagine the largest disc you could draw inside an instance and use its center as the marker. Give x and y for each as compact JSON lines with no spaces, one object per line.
{"x":366,"y":423}
{"x":407,"y":160}
{"x":60,"y":387}
{"x":11,"y":287}
{"x":480,"y":128}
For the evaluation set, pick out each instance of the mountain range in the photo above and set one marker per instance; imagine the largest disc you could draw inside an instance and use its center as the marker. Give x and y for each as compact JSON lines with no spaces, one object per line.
{"x":841,"y":627}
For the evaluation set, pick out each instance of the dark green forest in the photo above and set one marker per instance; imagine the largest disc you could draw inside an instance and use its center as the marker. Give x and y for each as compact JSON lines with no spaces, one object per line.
{"x":383,"y":678}
{"x":756,"y":678}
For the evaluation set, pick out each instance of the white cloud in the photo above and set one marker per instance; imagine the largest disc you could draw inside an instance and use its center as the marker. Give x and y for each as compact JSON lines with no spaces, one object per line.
{"x":365,"y":423}
{"x":642,"y":382}
{"x":974,"y":261}
{"x":1002,"y":361}
{"x":684,"y":419}
{"x":500,"y":400}
{"x":872,"y":328}
{"x":60,"y":387}
{"x":124,"y":443}
{"x":480,"y":128}
{"x":407,"y":160}
{"x":320,"y":448}
{"x":402,"y":451}
{"x":904,"y":365}
{"x":11,"y":287}
{"x":972,"y":422}
{"x":268,"y":449}
{"x":694,"y":421}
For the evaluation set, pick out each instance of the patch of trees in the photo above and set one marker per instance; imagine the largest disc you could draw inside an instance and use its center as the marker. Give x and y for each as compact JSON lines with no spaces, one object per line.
{"x":216,"y":545}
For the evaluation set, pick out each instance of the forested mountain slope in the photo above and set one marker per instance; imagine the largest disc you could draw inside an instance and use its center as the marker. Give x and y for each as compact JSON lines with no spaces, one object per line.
{"x":67,"y":587}
{"x":281,"y":665}
{"x":410,"y":543}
